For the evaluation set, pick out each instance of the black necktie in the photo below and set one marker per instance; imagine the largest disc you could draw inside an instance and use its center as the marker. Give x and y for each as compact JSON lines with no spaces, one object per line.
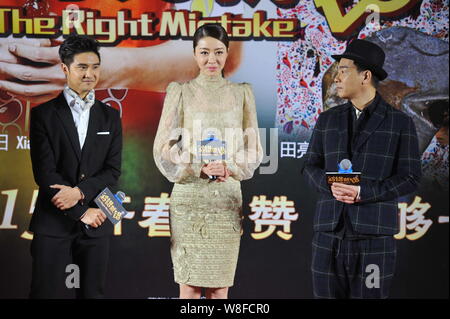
{"x":358,"y":120}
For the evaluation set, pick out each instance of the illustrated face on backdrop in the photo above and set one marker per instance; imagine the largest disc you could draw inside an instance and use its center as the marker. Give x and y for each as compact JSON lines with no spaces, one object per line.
{"x":210,"y":55}
{"x":83,"y":73}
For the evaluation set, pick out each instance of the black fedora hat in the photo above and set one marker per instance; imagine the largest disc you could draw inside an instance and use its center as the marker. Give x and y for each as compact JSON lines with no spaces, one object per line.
{"x":367,"y":54}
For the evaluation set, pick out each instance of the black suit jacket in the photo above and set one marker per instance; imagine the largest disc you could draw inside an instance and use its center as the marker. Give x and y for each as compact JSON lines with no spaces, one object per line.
{"x":386,"y":153}
{"x":57,"y":158}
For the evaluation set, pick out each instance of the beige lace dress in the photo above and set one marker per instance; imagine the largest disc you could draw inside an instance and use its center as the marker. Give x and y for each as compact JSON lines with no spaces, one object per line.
{"x":205,"y":216}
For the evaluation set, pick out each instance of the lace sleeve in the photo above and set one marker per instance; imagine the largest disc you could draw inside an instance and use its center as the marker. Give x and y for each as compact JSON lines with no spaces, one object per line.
{"x":249,"y":154}
{"x":172,"y":160}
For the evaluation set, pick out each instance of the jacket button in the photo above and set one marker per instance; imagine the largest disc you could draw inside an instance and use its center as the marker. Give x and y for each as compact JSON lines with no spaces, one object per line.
{"x":82,"y":176}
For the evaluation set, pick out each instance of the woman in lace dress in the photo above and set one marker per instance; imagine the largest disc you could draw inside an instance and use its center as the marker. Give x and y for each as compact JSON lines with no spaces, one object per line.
{"x":206,"y":200}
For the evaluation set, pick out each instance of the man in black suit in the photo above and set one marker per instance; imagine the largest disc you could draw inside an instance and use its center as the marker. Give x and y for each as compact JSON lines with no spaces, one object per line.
{"x":354,"y":251}
{"x":75,"y":146}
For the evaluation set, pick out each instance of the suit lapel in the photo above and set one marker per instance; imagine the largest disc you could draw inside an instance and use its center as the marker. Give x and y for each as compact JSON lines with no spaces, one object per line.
{"x":375,"y":120}
{"x":94,"y":118}
{"x":66,"y":117}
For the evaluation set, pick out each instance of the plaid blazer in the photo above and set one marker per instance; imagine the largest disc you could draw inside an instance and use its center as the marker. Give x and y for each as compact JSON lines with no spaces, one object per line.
{"x":387,"y":155}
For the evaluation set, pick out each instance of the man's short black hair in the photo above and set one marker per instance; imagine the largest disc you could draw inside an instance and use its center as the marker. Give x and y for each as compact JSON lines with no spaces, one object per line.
{"x":75,"y":44}
{"x":361,"y":67}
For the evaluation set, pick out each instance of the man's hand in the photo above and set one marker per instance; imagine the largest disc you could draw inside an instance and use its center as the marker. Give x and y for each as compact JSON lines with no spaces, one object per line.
{"x":93,"y":217}
{"x":345,"y":193}
{"x":67,"y":197}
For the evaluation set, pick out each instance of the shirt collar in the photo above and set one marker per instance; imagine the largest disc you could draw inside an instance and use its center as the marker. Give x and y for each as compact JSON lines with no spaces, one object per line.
{"x":369,"y":108}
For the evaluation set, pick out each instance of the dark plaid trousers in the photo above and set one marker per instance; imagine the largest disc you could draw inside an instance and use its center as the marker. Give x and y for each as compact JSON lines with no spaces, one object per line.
{"x":352,"y":268}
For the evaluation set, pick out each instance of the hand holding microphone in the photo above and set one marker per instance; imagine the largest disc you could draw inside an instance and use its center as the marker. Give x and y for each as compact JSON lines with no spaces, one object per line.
{"x":345,"y":193}
{"x":345,"y":183}
{"x":214,"y":170}
{"x":93,"y":217}
{"x":212,"y":152}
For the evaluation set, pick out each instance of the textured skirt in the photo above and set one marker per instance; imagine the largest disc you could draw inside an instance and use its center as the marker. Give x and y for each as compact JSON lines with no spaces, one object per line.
{"x":206,"y":226}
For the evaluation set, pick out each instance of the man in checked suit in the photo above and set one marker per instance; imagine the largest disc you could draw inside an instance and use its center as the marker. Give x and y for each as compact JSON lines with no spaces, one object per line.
{"x":354,"y":251}
{"x":76,"y":145}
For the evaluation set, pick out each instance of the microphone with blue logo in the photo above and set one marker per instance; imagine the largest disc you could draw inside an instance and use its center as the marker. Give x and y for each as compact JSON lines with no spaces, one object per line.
{"x":111,"y":205}
{"x":211,"y":149}
{"x":344,"y":175}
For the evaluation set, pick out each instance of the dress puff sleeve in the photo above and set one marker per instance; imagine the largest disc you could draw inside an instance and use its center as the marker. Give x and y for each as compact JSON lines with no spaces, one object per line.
{"x":249,"y":152}
{"x":172,"y":159}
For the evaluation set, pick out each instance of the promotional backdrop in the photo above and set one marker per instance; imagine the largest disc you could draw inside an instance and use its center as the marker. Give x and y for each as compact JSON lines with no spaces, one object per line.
{"x":283,"y":49}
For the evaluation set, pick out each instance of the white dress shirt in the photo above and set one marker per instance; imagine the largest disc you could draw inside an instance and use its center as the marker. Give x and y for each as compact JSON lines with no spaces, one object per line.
{"x":358,"y":112}
{"x":80,"y":111}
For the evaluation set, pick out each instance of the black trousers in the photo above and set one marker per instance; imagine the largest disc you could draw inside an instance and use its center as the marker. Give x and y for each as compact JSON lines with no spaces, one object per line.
{"x":57,"y":262}
{"x":352,"y":268}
